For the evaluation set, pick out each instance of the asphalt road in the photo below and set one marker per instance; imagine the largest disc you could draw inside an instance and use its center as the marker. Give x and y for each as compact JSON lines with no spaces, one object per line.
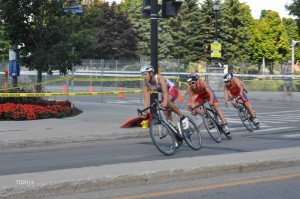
{"x":267,"y":184}
{"x":279,"y":129}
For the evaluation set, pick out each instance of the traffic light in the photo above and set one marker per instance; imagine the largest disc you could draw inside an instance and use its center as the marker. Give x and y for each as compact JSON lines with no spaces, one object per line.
{"x":170,"y":8}
{"x":146,"y":8}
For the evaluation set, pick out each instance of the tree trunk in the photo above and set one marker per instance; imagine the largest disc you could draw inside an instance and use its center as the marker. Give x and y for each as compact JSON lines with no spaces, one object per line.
{"x":38,"y":87}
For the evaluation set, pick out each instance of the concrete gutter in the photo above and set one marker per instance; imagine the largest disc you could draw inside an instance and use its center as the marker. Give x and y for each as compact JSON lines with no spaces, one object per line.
{"x":79,"y":180}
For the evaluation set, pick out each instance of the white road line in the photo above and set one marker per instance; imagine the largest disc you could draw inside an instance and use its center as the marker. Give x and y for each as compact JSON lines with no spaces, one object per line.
{"x":273,"y":129}
{"x":291,"y":136}
{"x":123,"y":102}
{"x":278,"y":112}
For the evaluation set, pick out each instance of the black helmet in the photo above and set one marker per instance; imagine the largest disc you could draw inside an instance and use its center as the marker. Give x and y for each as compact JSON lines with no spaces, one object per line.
{"x":193,"y":77}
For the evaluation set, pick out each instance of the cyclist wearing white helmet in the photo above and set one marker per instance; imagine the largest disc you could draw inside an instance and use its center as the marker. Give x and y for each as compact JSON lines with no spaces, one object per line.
{"x":203,"y":91}
{"x":233,"y":88}
{"x":154,"y":82}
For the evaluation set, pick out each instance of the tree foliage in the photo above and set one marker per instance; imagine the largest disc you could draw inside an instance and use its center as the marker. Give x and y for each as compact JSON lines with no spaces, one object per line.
{"x":39,"y":30}
{"x":115,"y":38}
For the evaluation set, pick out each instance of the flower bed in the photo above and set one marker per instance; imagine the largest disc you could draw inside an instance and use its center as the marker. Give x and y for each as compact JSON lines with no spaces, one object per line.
{"x":42,"y":109}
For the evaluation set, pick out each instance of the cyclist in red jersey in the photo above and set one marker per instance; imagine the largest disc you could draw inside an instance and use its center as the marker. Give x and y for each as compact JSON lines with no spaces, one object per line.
{"x":203,"y":91}
{"x":233,"y":89}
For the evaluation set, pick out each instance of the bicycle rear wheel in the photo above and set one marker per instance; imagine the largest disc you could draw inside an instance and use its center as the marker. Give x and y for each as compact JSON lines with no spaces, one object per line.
{"x":245,"y":117}
{"x":192,"y":135}
{"x":211,"y":126}
{"x":162,"y":137}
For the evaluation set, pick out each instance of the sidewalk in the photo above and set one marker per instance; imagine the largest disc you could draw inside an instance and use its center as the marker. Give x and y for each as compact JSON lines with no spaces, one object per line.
{"x":95,"y":123}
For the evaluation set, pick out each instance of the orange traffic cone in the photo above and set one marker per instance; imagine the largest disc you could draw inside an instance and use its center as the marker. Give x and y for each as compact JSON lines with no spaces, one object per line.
{"x":180,"y":99}
{"x":121,"y":94}
{"x":64,"y":89}
{"x":91,"y":89}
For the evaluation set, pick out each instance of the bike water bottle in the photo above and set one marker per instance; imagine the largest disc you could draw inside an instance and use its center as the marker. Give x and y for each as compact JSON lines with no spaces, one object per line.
{"x":173,"y":125}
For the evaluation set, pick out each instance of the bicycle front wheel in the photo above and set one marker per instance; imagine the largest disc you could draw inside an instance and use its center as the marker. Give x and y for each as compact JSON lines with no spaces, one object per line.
{"x":245,"y":117}
{"x":192,"y":135}
{"x":211,"y":126}
{"x":162,"y":137}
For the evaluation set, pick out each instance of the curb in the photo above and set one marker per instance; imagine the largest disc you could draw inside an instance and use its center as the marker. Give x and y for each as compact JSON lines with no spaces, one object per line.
{"x":50,"y":141}
{"x":143,"y":173}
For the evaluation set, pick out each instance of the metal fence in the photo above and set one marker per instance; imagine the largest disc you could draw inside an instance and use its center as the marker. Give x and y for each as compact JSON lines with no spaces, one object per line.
{"x":103,"y":75}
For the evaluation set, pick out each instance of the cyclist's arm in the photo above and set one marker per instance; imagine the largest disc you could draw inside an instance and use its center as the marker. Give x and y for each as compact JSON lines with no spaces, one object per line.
{"x":226,"y":95}
{"x":191,"y":95}
{"x":164,"y":88}
{"x":146,"y":94}
{"x":208,"y":90}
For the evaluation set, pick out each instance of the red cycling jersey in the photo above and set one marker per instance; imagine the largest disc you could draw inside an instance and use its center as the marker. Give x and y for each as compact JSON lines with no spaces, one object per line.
{"x":202,"y":93}
{"x":235,"y":91}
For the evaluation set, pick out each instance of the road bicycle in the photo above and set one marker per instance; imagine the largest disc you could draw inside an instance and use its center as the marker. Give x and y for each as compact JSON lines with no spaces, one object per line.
{"x":165,"y":134}
{"x":212,"y":121}
{"x":243,"y":113}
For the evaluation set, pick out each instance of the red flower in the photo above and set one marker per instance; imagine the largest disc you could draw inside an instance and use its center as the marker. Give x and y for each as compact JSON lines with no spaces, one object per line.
{"x":44,"y":110}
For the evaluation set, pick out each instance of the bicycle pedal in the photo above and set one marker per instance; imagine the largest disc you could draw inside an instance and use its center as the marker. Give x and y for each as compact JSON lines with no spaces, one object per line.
{"x":162,"y":137}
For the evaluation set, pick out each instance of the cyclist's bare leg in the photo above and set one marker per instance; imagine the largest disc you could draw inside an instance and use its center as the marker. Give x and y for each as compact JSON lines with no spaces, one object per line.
{"x":173,"y":107}
{"x":249,"y":107}
{"x":219,"y":112}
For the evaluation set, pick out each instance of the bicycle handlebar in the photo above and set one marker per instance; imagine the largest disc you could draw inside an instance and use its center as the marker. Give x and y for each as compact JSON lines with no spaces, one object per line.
{"x":156,"y":103}
{"x":235,"y":99}
{"x":206,"y":100}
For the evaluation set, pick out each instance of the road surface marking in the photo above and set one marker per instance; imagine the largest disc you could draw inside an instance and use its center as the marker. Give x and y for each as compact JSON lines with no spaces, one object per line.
{"x":291,"y":136}
{"x":214,"y":186}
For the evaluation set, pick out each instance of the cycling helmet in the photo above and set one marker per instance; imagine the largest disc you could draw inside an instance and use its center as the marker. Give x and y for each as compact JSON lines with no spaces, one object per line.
{"x":227,"y":77}
{"x":192,"y":78}
{"x":147,"y":68}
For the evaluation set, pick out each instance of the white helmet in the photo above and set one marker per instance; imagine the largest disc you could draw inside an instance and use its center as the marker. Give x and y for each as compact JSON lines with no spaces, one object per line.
{"x":227,"y":77}
{"x":147,"y":68}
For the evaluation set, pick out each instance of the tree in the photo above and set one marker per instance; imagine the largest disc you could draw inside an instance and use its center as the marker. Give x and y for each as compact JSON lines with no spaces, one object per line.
{"x":270,"y":39}
{"x":292,"y":32}
{"x":141,"y":26}
{"x":40,"y":29}
{"x":115,"y":37}
{"x":235,"y":33}
{"x":4,"y":44}
{"x":185,"y":30}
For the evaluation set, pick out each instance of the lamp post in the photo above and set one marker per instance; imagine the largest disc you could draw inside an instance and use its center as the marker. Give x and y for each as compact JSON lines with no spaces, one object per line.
{"x":216,"y":10}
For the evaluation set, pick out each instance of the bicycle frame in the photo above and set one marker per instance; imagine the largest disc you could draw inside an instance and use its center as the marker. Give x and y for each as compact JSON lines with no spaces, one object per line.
{"x":166,"y":131}
{"x":161,"y":118}
{"x":214,"y":128}
{"x":211,"y":108}
{"x":241,"y":108}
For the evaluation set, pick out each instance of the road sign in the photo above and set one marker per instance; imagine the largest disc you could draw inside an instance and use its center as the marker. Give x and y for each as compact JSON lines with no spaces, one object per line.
{"x":216,"y":54}
{"x":215,"y":46}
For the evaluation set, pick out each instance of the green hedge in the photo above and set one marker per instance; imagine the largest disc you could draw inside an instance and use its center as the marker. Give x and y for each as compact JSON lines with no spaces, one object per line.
{"x":269,"y":85}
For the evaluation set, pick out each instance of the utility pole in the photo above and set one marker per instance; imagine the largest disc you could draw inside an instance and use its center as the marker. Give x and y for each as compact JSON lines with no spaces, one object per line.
{"x":293,"y":53}
{"x":150,"y":10}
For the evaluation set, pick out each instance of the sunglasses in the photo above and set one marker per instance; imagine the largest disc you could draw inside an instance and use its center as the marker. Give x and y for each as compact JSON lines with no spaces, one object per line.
{"x":191,"y":83}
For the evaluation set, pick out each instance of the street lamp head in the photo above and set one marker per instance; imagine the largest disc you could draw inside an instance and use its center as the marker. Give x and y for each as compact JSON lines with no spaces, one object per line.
{"x":216,"y":6}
